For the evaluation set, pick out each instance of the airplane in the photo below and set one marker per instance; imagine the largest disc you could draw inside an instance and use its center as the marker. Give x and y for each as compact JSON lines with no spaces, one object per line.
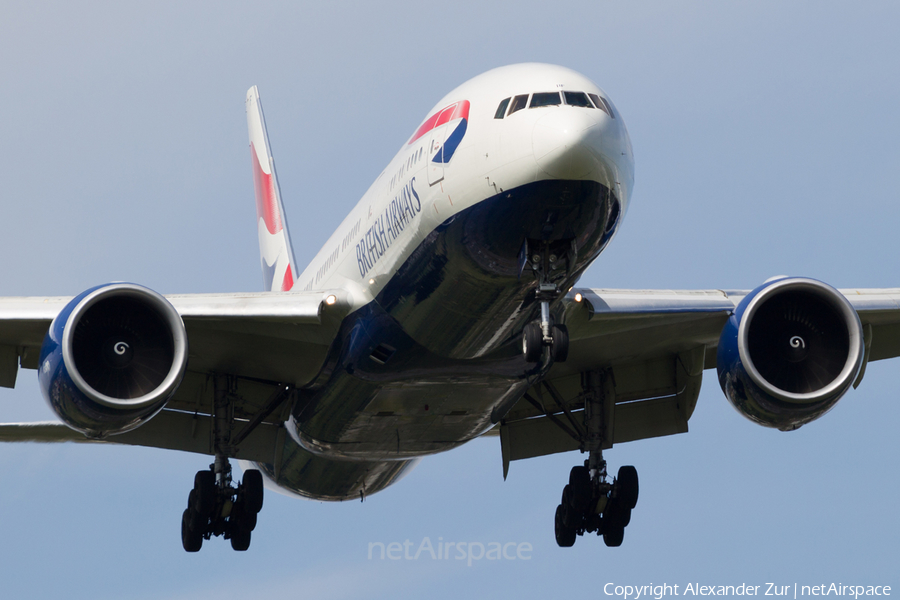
{"x":442,"y":309}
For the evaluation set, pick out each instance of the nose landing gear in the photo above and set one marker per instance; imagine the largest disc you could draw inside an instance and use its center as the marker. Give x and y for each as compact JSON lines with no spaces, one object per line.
{"x":540,"y":334}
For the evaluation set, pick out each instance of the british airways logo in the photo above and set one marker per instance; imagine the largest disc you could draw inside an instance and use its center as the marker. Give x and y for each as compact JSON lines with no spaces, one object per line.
{"x":387,"y":227}
{"x":458,"y":111}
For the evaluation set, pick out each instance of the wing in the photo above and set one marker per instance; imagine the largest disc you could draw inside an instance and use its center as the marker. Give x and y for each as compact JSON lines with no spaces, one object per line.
{"x":262,"y":346}
{"x":655,"y":344}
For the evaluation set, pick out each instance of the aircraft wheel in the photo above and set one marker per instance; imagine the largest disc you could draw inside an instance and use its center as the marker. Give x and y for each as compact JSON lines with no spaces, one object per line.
{"x":204,"y":492}
{"x":613,"y":536}
{"x":571,"y":517}
{"x":240,"y":539}
{"x":627,"y":480}
{"x":191,"y":539}
{"x":580,"y":483}
{"x":253,"y":491}
{"x":532,"y":342}
{"x":617,"y":514}
{"x":565,"y":536}
{"x":621,"y":516}
{"x":243,"y":517}
{"x":559,"y":351}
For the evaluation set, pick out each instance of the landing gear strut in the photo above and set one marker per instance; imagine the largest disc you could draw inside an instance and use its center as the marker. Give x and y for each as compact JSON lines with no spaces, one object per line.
{"x":540,"y":334}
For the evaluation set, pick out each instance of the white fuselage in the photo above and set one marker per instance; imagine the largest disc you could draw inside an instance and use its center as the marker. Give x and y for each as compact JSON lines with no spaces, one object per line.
{"x":552,"y":142}
{"x":432,"y":261}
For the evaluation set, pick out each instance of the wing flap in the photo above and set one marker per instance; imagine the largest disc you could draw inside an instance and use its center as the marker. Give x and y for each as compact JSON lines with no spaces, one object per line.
{"x":170,"y":430}
{"x":649,"y":399}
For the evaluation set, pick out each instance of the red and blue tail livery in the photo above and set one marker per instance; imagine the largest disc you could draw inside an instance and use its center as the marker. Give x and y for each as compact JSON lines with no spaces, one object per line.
{"x":276,"y":254}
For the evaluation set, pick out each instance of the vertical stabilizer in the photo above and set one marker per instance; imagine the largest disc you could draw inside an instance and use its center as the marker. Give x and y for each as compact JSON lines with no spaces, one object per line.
{"x":276,"y":254}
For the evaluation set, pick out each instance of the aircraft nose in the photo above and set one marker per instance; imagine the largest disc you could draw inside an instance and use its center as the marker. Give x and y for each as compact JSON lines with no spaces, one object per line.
{"x":566,"y":142}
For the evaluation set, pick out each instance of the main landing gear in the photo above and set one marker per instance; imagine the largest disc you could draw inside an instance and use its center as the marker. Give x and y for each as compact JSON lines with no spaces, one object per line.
{"x":540,"y":334}
{"x":591,"y":504}
{"x":216,"y":507}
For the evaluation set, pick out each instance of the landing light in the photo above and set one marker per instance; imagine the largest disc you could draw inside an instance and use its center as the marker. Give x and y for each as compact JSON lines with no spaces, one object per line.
{"x":371,"y":282}
{"x":578,"y":297}
{"x":330,"y":299}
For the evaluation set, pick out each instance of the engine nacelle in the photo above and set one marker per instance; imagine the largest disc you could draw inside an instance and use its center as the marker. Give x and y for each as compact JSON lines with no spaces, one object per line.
{"x":789,"y":352}
{"x":112,"y":358}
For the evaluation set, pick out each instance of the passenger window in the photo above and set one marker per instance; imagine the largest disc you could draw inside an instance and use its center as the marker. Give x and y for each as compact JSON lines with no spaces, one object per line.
{"x":577,"y":99}
{"x":501,"y":110}
{"x":545,"y":99}
{"x":518,"y":103}
{"x":602,"y":105}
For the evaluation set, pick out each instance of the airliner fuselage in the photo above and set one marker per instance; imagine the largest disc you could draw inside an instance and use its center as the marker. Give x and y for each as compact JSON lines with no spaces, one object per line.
{"x":437,"y":258}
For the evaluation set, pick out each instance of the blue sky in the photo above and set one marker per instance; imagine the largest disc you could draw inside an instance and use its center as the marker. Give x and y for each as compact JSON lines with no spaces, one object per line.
{"x":765,"y":140}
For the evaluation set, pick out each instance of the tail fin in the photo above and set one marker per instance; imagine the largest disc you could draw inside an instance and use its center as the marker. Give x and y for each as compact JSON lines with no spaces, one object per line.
{"x":276,"y":255}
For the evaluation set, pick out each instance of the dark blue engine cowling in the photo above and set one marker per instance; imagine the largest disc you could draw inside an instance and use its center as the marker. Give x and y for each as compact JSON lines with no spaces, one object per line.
{"x":789,"y":352}
{"x":112,"y":358}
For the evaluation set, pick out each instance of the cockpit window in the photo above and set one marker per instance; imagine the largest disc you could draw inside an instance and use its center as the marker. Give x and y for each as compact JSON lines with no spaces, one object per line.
{"x":518,"y":103}
{"x":545,"y":99}
{"x":609,"y":107}
{"x":501,"y":110}
{"x":602,"y":104}
{"x":577,"y":99}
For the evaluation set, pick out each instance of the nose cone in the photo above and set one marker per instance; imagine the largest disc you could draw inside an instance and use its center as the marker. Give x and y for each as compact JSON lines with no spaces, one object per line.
{"x":566,"y":143}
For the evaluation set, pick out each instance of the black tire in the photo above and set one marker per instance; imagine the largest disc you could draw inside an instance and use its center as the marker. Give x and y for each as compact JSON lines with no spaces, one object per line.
{"x":253,"y":490}
{"x":613,"y":536}
{"x":565,"y":536}
{"x":532,"y":342}
{"x":190,"y":539}
{"x":559,"y":351}
{"x":205,"y":488}
{"x":242,"y":517}
{"x":617,"y":515}
{"x":627,"y":480}
{"x":571,"y":517}
{"x":566,"y":495}
{"x":196,"y":521}
{"x":579,"y":475}
{"x":248,"y":521}
{"x":240,"y":539}
{"x":580,"y":482}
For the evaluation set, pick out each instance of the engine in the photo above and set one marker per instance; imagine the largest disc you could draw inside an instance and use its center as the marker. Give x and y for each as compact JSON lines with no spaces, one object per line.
{"x":789,"y":352}
{"x":112,"y":358}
